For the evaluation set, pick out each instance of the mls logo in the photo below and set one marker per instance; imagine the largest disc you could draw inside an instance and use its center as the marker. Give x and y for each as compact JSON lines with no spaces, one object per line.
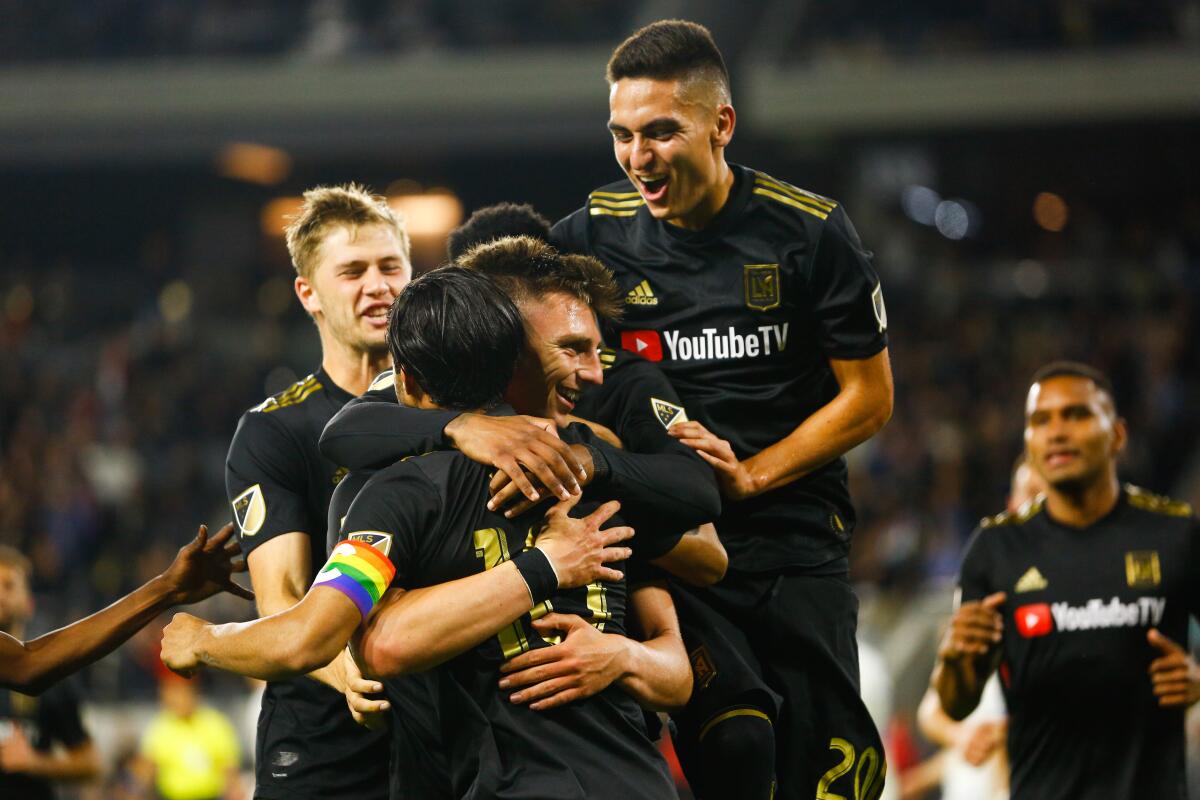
{"x":762,"y":286}
{"x":378,"y":539}
{"x":250,"y":510}
{"x":667,"y":413}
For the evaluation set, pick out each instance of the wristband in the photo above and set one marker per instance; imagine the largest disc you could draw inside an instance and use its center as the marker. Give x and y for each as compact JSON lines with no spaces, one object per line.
{"x":359,"y":571}
{"x":535,"y":567}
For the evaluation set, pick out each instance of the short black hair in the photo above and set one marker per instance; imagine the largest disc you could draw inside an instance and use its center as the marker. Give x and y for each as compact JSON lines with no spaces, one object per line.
{"x":526,"y":267}
{"x":458,"y":336}
{"x":669,"y":49}
{"x":1075,"y":369}
{"x":492,"y":222}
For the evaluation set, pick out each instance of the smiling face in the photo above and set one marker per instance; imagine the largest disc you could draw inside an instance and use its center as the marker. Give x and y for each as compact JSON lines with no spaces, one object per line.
{"x":669,"y":136}
{"x":1072,"y":433}
{"x":359,"y":272}
{"x":561,"y":358}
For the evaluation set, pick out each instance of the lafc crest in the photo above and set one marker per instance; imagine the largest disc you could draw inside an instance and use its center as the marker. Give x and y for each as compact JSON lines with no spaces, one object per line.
{"x":761,"y":286}
{"x":250,"y":510}
{"x":1142,"y":569}
{"x":667,"y":413}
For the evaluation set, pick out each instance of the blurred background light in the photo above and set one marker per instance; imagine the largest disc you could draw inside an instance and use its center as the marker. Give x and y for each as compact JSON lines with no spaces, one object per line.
{"x":952,"y":219}
{"x":277,"y":213}
{"x":1050,"y":212}
{"x":920,"y":203}
{"x":175,"y":301}
{"x":254,"y":163}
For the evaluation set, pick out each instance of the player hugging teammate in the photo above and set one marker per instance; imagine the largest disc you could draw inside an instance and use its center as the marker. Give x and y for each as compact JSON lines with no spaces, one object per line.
{"x":519,"y":644}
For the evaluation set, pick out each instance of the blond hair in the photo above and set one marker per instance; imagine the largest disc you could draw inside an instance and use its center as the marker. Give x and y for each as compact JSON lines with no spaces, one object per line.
{"x":326,"y":207}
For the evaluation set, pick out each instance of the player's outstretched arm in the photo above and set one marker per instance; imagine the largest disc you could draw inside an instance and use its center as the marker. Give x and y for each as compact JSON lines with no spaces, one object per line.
{"x":418,"y":629}
{"x":862,"y":406}
{"x":202,"y":568}
{"x":293,"y":642}
{"x":968,"y":654}
{"x":654,"y":670}
{"x":1174,"y":676}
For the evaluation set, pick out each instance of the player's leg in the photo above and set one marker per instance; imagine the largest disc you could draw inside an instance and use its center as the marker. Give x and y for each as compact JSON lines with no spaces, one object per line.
{"x":827,"y":744}
{"x":725,"y":737}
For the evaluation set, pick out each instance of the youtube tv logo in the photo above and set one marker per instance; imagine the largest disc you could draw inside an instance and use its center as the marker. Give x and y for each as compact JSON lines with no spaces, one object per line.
{"x":647,"y":344}
{"x":1034,"y":620}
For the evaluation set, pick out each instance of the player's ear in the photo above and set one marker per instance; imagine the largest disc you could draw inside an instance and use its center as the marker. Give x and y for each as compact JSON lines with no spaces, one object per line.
{"x":307,"y":294}
{"x":1120,"y":436}
{"x":723,"y":128}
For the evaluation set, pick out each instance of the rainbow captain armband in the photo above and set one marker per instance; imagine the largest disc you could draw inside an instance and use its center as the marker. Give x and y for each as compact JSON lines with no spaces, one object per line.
{"x":359,"y":571}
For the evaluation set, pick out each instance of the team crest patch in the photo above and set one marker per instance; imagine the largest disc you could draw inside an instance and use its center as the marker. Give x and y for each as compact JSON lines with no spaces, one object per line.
{"x":250,"y":510}
{"x":703,"y":670}
{"x":378,"y":539}
{"x":762,"y":286}
{"x":667,"y":413}
{"x":1142,"y":569}
{"x":879,"y":308}
{"x":384,"y":380}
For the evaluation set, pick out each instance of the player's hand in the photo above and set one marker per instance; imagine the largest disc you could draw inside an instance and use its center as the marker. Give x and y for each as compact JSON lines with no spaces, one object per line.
{"x":983,"y":740}
{"x":975,"y":629}
{"x":16,"y":753}
{"x":506,"y":494}
{"x":179,"y":651}
{"x":734,"y":479}
{"x":205,"y":566}
{"x":1174,"y":675}
{"x":578,"y":548}
{"x":515,"y":445}
{"x":368,"y":711}
{"x":585,"y":663}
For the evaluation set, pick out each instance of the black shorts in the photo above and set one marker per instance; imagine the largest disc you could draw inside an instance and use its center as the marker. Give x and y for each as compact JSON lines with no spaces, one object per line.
{"x":784,"y":644}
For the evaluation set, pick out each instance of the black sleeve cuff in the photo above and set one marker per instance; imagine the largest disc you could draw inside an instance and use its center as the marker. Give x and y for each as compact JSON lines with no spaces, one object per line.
{"x":539,"y":575}
{"x":601,"y":470}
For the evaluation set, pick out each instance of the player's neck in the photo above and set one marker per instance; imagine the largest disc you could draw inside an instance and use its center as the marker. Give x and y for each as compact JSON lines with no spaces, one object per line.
{"x":1085,"y":506}
{"x":707,"y":209}
{"x":350,"y":368}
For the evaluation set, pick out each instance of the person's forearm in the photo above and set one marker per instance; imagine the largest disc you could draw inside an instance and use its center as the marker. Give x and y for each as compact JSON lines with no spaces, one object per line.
{"x":271,"y":603}
{"x":371,"y":432}
{"x":933,"y":721}
{"x":59,"y":653}
{"x":847,"y":421}
{"x":672,"y":486}
{"x":959,"y":685}
{"x":284,"y":645}
{"x":657,"y":673}
{"x":76,"y":764}
{"x":698,"y":558}
{"x":424,"y":627}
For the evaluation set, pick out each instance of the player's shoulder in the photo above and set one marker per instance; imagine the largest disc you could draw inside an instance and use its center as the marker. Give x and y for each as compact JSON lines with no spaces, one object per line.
{"x":626,"y":365}
{"x":802,"y":204}
{"x":1008,"y":520}
{"x":284,"y":403}
{"x":1158,"y":504}
{"x":619,"y":200}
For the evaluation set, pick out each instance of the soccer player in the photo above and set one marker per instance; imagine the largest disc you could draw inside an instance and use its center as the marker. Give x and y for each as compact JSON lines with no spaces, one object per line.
{"x":425,"y":520}
{"x":202,"y":568}
{"x":1079,"y":599}
{"x":758,"y":301}
{"x":351,"y":256}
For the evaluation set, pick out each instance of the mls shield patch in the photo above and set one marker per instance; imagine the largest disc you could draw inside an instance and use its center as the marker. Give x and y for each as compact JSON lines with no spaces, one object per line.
{"x":250,"y":510}
{"x":879,"y":308}
{"x":667,"y":413}
{"x":378,"y":539}
{"x":762,"y":286}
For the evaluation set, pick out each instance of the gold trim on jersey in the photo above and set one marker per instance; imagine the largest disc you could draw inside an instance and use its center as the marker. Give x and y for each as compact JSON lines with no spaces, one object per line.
{"x":608,"y":212}
{"x":296,"y":393}
{"x":737,"y":712}
{"x":787,"y":201}
{"x":633,"y":203}
{"x":1156,"y":503}
{"x":608,"y":357}
{"x":615,"y":195}
{"x":1028,"y":510}
{"x":823,"y":203}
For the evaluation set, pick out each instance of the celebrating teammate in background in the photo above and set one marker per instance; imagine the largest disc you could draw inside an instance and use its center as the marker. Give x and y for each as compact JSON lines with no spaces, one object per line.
{"x":202,"y":568}
{"x":351,"y":256}
{"x":1080,"y":599}
{"x":760,"y":304}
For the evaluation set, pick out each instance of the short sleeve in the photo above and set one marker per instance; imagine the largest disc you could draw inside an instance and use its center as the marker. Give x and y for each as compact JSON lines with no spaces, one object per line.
{"x":396,"y":511}
{"x":974,"y":582}
{"x":844,"y":293}
{"x":373,"y":430}
{"x":649,"y":405}
{"x":266,"y":479}
{"x":570,"y":234}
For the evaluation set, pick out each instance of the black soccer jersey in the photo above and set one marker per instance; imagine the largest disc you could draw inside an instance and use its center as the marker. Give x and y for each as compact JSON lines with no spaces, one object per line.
{"x":1084,"y":723}
{"x":47,"y":721}
{"x":307,"y":745}
{"x":433,"y":508}
{"x":743,"y":318}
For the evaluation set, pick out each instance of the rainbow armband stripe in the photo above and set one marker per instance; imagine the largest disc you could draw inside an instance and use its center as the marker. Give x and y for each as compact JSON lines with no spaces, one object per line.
{"x":359,"y":571}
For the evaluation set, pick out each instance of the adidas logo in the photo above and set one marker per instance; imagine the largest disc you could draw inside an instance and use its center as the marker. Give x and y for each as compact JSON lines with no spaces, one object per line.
{"x":641,"y":295}
{"x":1031,"y":581}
